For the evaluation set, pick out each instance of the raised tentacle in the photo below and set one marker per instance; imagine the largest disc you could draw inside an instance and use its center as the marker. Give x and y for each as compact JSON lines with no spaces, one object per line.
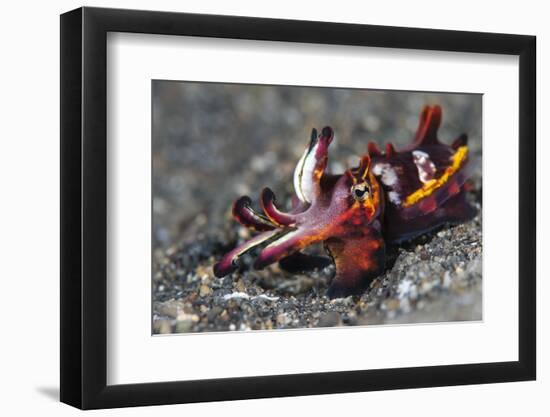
{"x":267,"y":201}
{"x":310,"y":168}
{"x":245,"y":215}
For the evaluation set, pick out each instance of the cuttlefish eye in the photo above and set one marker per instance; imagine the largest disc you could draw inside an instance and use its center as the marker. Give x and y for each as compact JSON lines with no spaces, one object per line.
{"x":360,"y":191}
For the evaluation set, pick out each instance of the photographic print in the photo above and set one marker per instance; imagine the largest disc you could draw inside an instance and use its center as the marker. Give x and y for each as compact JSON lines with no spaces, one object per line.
{"x":288,"y":207}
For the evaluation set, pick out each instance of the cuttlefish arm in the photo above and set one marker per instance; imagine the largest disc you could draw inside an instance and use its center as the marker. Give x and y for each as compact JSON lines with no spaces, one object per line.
{"x":285,"y":233}
{"x":229,"y":263}
{"x":248,"y":217}
{"x":301,"y":230}
{"x":311,"y":167}
{"x":275,"y":216}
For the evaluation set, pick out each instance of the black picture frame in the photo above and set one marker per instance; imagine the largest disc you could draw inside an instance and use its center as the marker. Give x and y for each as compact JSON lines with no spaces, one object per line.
{"x":84,"y":207}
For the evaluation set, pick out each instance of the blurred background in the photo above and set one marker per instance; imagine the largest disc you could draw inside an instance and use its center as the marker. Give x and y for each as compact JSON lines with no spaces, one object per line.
{"x":215,"y":142}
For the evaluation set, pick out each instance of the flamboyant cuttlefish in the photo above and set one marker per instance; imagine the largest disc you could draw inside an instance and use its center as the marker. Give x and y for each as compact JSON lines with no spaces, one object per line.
{"x":390,"y":197}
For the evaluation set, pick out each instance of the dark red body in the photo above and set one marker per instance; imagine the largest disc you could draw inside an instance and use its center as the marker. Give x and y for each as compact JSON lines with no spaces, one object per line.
{"x":390,"y":197}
